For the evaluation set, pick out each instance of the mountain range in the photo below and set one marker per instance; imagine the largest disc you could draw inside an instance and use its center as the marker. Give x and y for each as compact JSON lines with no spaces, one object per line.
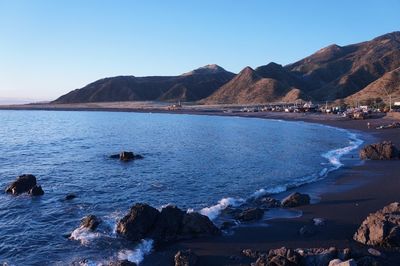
{"x":355,"y":72}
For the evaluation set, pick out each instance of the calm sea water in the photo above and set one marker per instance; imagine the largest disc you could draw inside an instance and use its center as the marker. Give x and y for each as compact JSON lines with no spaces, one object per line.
{"x":191,"y":161}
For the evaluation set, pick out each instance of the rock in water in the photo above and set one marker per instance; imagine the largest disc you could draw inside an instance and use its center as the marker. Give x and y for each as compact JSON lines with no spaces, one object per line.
{"x":296,"y":199}
{"x":381,"y":228}
{"x":139,"y":222}
{"x":36,"y":191}
{"x":91,"y":222}
{"x":70,"y":196}
{"x":23,"y":184}
{"x":168,"y":225}
{"x":194,"y":224}
{"x":185,"y":258}
{"x":126,"y":156}
{"x":250,"y":214}
{"x":384,"y":150}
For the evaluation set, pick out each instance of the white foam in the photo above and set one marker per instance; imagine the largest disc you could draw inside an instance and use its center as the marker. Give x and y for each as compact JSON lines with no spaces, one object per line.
{"x":213,"y":211}
{"x":137,"y":255}
{"x":84,"y":235}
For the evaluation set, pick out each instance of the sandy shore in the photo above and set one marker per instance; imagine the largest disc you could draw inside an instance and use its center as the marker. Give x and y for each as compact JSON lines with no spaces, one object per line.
{"x":346,"y":197}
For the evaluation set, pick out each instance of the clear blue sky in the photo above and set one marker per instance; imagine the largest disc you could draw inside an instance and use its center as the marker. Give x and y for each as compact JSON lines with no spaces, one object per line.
{"x":48,"y":48}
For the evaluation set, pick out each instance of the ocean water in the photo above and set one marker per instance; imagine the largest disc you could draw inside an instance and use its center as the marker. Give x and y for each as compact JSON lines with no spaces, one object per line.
{"x":199,"y":163}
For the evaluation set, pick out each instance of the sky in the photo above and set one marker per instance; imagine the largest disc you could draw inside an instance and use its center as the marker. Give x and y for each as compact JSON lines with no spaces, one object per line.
{"x":48,"y":48}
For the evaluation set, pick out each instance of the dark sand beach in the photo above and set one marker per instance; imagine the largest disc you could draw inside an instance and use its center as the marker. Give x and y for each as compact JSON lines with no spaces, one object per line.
{"x":347,"y":196}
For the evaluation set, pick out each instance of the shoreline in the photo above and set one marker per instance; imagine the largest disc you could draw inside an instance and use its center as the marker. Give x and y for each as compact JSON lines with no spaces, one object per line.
{"x":360,"y":190}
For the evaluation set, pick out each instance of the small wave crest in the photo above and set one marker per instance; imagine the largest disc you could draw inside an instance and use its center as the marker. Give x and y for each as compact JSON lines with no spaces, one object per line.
{"x":213,"y":211}
{"x":84,"y":235}
{"x":137,"y":255}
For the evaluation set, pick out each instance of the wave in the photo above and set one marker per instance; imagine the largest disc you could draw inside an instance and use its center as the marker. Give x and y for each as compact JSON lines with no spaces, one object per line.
{"x":84,"y":235}
{"x":137,"y":255}
{"x":214,"y":211}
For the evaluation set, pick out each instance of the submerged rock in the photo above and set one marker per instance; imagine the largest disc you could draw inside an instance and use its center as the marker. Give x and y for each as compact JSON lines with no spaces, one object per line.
{"x":70,"y":196}
{"x":185,"y":258}
{"x":381,"y":228}
{"x":36,"y":191}
{"x":296,"y":199}
{"x":90,"y":222}
{"x":170,"y":224}
{"x":251,"y":214}
{"x":126,"y":156}
{"x":23,"y":184}
{"x":384,"y":150}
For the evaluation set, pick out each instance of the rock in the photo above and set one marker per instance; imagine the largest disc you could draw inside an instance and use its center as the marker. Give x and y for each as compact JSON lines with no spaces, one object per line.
{"x":250,"y":214}
{"x":250,"y":253}
{"x":36,"y":191}
{"x":70,"y":196}
{"x":374,"y":252}
{"x":381,"y":228}
{"x":319,"y":257}
{"x":267,"y":202}
{"x":122,"y":263}
{"x":194,"y":224}
{"x":261,"y":261}
{"x":126,"y":156}
{"x":168,"y":225}
{"x":308,"y":230}
{"x":384,"y":150}
{"x":23,"y":184}
{"x":138,"y":223}
{"x":185,"y":258}
{"x":91,"y":222}
{"x":296,"y":199}
{"x":338,"y":262}
{"x":283,"y":256}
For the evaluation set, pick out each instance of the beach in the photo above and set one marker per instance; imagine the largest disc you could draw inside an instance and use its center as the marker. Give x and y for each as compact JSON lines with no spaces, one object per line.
{"x":344,"y":198}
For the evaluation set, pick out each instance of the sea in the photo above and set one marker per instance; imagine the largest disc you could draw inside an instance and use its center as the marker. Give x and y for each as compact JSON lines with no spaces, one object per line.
{"x":197,"y":162}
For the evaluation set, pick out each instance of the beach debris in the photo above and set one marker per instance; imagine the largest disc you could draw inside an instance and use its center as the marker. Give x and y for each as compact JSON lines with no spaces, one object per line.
{"x":90,"y":222}
{"x":36,"y":191}
{"x":122,"y":263}
{"x":25,"y":184}
{"x":171,"y":224}
{"x":250,"y":214}
{"x":70,"y":196}
{"x":296,"y":199}
{"x":185,"y":258}
{"x":381,"y":228}
{"x":126,"y":156}
{"x":338,"y":262}
{"x":384,"y":150}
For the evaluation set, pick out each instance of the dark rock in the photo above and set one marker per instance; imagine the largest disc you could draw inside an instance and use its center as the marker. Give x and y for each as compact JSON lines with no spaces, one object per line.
{"x":70,"y":196}
{"x":384,"y":150}
{"x":91,"y":222}
{"x":185,"y":258}
{"x":138,"y":223}
{"x":114,"y":156}
{"x":195,"y":224}
{"x":168,"y":225}
{"x":308,"y":230}
{"x":127,"y":156}
{"x":283,"y":256}
{"x":250,"y":214}
{"x":319,"y":256}
{"x":296,"y":199}
{"x":381,"y":228}
{"x":36,"y":191}
{"x":280,"y":261}
{"x":267,"y":202}
{"x":345,"y":254}
{"x":23,"y":184}
{"x":122,"y":263}
{"x":261,"y":261}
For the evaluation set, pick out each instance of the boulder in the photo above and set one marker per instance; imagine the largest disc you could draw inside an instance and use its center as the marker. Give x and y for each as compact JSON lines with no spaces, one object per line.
{"x":296,"y":199}
{"x":23,"y":184}
{"x":138,"y":223}
{"x":91,"y":222}
{"x":194,"y":224}
{"x":283,"y":256}
{"x":381,"y":228}
{"x":70,"y":196}
{"x":250,"y":214}
{"x":168,"y":225}
{"x":266,"y":202}
{"x":126,"y":156}
{"x":185,"y":258}
{"x":338,"y":262}
{"x":384,"y":150}
{"x":36,"y":191}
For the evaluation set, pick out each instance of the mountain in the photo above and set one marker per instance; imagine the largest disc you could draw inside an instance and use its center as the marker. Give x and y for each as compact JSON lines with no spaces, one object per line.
{"x":191,"y":86}
{"x":265,"y":84}
{"x":388,"y":84}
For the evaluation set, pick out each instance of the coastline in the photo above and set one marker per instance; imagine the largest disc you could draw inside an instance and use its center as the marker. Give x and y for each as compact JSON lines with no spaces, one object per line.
{"x":352,"y":193}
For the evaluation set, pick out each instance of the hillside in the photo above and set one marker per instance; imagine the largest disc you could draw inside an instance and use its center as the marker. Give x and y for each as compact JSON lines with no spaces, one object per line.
{"x":191,"y":86}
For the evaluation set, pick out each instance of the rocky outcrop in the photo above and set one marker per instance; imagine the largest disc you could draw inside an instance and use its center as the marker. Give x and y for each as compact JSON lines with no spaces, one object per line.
{"x":295,"y":199}
{"x":384,"y":150}
{"x":381,"y":228}
{"x":25,"y":184}
{"x":126,"y":156}
{"x":185,"y":258}
{"x":171,"y":224}
{"x":90,"y":222}
{"x":250,"y":214}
